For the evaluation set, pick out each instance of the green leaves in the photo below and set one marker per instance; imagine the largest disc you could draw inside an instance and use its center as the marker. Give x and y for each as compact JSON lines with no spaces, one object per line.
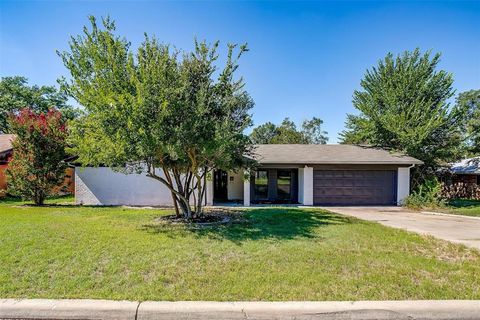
{"x":37,"y":165}
{"x":16,"y":94}
{"x":469,"y":102}
{"x":287,"y":133}
{"x":403,"y":106}
{"x":157,"y":106}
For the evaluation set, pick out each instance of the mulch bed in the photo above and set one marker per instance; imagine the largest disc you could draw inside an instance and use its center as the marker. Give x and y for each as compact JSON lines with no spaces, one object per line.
{"x":209,"y":217}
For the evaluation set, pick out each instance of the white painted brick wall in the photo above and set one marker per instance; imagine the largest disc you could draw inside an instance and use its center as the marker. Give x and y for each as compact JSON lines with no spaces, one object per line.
{"x":308,"y":186}
{"x":103,"y":186}
{"x":403,"y":184}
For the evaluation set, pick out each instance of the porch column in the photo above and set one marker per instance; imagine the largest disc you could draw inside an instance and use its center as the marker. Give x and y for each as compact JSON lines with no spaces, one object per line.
{"x":403,"y":184}
{"x":308,"y":186}
{"x":209,"y":190}
{"x":246,"y":189}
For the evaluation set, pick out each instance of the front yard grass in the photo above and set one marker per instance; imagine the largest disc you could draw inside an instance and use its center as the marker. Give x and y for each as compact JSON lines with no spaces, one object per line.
{"x":272,"y":254}
{"x":464,"y":207}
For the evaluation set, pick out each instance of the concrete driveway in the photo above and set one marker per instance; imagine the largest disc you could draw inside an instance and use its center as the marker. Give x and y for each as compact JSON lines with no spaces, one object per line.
{"x":459,"y":229}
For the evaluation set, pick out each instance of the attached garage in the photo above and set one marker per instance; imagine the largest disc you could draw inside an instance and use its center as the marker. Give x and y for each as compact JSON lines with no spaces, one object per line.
{"x":342,"y":175}
{"x":354,"y":187}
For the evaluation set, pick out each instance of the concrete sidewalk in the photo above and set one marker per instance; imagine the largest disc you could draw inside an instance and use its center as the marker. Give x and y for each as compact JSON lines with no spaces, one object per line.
{"x":131,"y":310}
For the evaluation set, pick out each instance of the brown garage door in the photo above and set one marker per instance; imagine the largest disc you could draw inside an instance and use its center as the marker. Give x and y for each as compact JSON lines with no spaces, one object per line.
{"x":354,"y":187}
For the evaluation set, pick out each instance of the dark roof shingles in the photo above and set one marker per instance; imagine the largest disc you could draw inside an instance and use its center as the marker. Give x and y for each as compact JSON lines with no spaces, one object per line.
{"x":327,"y":154}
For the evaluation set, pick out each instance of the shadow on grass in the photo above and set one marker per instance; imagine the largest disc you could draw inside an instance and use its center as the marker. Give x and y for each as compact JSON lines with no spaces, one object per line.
{"x":464,"y":203}
{"x":63,"y":200}
{"x":259,"y":224}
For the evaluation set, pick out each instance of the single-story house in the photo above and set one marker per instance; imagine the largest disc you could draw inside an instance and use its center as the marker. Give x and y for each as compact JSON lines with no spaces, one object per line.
{"x":286,"y":173}
{"x":466,"y":171}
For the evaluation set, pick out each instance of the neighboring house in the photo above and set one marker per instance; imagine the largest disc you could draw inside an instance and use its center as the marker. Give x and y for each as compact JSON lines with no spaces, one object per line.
{"x":286,"y":173}
{"x":462,"y":180}
{"x":466,"y":171}
{"x":6,"y":151}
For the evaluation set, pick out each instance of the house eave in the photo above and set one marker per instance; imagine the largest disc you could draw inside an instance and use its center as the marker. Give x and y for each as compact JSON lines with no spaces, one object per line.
{"x":406,"y":163}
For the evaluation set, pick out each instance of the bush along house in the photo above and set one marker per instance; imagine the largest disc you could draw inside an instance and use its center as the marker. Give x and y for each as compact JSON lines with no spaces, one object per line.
{"x":6,"y":152}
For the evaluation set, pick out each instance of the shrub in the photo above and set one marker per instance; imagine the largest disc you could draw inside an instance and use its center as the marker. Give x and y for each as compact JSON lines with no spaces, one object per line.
{"x":37,"y":164}
{"x":427,"y":195}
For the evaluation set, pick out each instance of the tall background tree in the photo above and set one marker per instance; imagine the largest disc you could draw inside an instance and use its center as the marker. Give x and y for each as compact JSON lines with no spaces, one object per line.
{"x":16,"y":94}
{"x":404,"y":107}
{"x":173,"y":116}
{"x":37,"y":164}
{"x":470,"y":101}
{"x":287,"y":133}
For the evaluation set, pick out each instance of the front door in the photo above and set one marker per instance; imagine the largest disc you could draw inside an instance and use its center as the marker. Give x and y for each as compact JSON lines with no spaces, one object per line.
{"x":220,"y":182}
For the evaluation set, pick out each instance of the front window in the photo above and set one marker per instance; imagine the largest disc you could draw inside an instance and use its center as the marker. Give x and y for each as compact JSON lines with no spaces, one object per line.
{"x":261,"y":184}
{"x":284,"y":184}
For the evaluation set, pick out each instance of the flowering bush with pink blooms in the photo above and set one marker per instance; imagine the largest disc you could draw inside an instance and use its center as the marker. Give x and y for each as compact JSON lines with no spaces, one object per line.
{"x":37,"y":165}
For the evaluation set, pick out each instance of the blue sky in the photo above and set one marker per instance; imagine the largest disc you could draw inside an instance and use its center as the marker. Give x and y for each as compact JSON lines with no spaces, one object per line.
{"x":305,"y":58}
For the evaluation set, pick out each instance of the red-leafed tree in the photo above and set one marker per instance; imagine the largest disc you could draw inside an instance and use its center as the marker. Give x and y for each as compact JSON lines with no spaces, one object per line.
{"x":37,"y":165}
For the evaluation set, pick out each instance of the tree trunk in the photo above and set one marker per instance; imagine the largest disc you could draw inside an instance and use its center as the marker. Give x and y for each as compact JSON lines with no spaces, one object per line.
{"x":200,"y":187}
{"x":174,"y":197}
{"x":175,"y":204}
{"x":179,"y":196}
{"x":39,"y":198}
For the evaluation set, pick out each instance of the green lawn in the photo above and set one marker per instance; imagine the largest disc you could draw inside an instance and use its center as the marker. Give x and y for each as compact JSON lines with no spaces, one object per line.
{"x":55,"y":200}
{"x":464,"y":207}
{"x":272,"y":254}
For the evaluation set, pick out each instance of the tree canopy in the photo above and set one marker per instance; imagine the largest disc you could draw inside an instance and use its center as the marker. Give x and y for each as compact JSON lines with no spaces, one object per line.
{"x":16,"y":94}
{"x":287,"y":133}
{"x":173,"y":115}
{"x":470,"y":101}
{"x":404,"y":107}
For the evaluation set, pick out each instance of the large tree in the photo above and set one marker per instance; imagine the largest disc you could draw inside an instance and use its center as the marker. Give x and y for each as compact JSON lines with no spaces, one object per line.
{"x":470,"y":101}
{"x":37,"y":164}
{"x":403,"y":106}
{"x":287,"y":133}
{"x":16,"y":94}
{"x":175,"y":116}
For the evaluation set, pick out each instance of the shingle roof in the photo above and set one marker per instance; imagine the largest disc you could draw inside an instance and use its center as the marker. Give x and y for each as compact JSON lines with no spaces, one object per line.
{"x":327,"y":154}
{"x":467,"y":166}
{"x":6,"y":142}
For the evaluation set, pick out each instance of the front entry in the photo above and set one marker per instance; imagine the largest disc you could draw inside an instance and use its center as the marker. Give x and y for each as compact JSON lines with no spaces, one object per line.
{"x":220,"y":185}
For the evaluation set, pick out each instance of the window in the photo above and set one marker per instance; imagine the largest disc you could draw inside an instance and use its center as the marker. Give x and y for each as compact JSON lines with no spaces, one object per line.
{"x":284,"y":184}
{"x":261,"y":185}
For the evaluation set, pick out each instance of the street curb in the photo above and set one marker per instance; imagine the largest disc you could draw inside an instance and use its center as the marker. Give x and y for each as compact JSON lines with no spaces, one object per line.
{"x":84,"y":309}
{"x":149,"y":310}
